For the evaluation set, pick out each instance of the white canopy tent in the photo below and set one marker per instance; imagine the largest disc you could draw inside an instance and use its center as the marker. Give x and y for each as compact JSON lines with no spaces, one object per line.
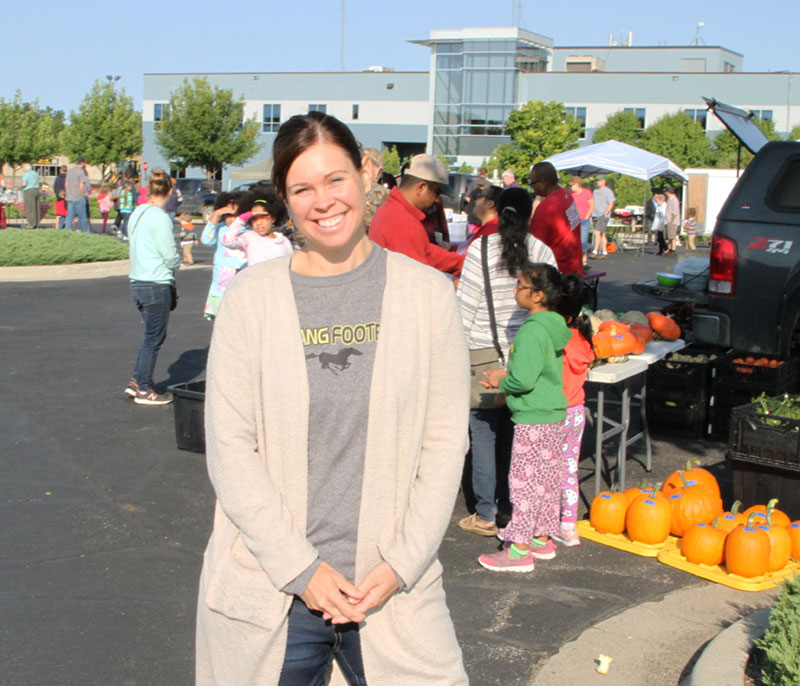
{"x":258,"y":171}
{"x":613,"y":156}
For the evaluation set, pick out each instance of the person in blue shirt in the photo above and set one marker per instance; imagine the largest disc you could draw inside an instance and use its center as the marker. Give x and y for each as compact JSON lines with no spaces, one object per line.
{"x":154,"y":260}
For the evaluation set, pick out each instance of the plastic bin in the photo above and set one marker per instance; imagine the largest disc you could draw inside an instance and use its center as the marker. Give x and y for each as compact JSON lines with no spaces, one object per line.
{"x":689,"y":380}
{"x":765,"y":439}
{"x":668,"y":415}
{"x":757,"y":484}
{"x":754,"y":378}
{"x":189,"y":408}
{"x":721,"y":406}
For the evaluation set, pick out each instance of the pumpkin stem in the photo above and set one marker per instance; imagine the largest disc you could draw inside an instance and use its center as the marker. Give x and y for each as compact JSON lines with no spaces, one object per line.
{"x":714,"y":523}
{"x":750,"y":519}
{"x":643,"y":483}
{"x":769,"y":517}
{"x":771,"y":505}
{"x":735,"y":507}
{"x":683,"y":478}
{"x":691,"y":462}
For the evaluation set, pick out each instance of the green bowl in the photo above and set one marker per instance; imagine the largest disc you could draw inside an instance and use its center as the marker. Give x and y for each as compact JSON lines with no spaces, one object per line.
{"x":668,"y":280}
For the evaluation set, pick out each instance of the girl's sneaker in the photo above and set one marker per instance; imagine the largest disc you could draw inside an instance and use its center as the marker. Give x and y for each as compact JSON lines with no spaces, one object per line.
{"x":544,"y":551}
{"x":505,"y":560}
{"x":568,"y":537}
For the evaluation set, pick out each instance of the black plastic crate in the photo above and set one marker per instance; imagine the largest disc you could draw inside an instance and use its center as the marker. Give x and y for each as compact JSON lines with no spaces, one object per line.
{"x":765,"y":438}
{"x":757,"y":484}
{"x":721,"y":406}
{"x":691,"y":380}
{"x":668,"y":415}
{"x":189,"y":407}
{"x":754,"y":378}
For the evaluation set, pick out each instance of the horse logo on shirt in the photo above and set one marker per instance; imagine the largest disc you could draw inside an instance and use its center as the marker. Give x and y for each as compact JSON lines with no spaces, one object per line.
{"x":335,"y":362}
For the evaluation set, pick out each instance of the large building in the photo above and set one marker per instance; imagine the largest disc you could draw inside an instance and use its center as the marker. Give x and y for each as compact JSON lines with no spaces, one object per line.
{"x":478,"y":75}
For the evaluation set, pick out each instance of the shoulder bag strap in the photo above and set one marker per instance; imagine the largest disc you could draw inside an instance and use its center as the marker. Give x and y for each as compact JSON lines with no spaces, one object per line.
{"x":489,"y":301}
{"x":138,"y":219}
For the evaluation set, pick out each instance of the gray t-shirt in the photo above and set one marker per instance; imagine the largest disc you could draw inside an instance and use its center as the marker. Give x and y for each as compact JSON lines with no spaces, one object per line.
{"x":603,"y":197}
{"x":75,"y":176}
{"x":339,"y":321}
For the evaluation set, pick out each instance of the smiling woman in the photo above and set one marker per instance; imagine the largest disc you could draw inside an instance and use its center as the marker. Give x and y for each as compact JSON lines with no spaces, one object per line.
{"x":335,"y":475}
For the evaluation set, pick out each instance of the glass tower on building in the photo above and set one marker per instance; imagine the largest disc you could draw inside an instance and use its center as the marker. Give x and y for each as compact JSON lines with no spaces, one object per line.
{"x":474,"y":85}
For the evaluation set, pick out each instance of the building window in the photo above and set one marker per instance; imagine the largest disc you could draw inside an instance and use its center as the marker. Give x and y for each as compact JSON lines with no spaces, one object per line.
{"x":640,"y":114}
{"x":272,"y":118}
{"x":728,"y":68}
{"x":318,"y":108}
{"x":160,"y":110}
{"x":355,"y":112}
{"x":700,"y":116}
{"x":763,"y":115}
{"x":580,"y":114}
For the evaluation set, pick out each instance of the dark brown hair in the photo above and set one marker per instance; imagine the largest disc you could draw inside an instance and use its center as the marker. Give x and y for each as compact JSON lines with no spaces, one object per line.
{"x":302,"y":131}
{"x":160,"y":183}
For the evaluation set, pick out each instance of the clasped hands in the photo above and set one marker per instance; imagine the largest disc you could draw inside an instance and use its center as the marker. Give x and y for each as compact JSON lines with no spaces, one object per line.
{"x":493,"y":377}
{"x":342,"y":602}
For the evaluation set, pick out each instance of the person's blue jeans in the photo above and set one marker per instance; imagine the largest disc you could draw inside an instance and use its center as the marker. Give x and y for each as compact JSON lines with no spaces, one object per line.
{"x":311,"y":644}
{"x":153,"y":300}
{"x":492,"y":433}
{"x":123,"y":229}
{"x":586,"y":230}
{"x":77,"y":208}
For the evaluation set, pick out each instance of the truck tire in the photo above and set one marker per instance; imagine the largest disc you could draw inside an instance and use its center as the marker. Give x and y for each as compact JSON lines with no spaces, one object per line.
{"x":208,"y":210}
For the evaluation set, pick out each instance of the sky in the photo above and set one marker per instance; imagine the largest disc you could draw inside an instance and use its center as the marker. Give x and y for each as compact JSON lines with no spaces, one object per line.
{"x":60,"y":48}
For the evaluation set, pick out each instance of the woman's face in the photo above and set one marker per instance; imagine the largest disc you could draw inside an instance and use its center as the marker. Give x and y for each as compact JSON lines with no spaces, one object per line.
{"x":261,"y":221}
{"x":325,"y":196}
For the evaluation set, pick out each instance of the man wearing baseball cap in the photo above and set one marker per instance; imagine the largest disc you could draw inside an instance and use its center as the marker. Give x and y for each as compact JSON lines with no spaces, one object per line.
{"x":397,"y":224}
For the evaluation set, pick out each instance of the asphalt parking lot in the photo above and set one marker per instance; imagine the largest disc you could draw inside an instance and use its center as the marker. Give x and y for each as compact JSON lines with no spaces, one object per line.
{"x":105,"y":521}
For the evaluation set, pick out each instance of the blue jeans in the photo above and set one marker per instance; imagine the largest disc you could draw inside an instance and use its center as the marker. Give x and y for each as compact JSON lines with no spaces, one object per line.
{"x":310,"y":645}
{"x":77,"y":208}
{"x":123,"y":229}
{"x":153,"y":300}
{"x":492,"y":434}
{"x":586,"y":229}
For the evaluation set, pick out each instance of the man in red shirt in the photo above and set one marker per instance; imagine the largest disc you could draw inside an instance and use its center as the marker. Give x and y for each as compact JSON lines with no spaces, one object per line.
{"x":397,"y":224}
{"x":556,"y":221}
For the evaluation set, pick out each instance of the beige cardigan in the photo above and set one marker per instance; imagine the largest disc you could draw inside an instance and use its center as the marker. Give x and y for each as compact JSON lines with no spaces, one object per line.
{"x":256,"y":438}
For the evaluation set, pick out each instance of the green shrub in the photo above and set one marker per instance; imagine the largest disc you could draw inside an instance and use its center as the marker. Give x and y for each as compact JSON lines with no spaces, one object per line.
{"x":25,"y":247}
{"x":781,"y":642}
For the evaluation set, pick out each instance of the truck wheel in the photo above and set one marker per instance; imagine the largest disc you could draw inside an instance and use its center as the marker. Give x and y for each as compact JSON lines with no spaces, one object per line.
{"x":208,"y":210}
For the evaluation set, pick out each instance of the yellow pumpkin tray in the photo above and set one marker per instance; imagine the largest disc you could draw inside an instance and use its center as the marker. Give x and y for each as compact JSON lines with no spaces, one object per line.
{"x":623,"y":541}
{"x":673,"y":557}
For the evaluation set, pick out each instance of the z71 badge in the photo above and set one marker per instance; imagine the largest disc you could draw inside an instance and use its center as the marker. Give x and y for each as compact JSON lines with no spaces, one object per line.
{"x":770,"y":245}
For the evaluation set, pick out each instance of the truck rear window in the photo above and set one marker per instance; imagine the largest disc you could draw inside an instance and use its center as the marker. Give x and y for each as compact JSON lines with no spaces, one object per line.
{"x":786,"y":190}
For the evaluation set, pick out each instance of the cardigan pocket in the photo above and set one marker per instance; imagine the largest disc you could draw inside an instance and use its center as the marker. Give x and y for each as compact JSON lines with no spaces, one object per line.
{"x":239,"y":588}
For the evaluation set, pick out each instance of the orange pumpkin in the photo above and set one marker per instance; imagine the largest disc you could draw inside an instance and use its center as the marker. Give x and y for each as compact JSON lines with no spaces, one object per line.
{"x":704,"y":544}
{"x":640,"y":343}
{"x":601,"y":342}
{"x":780,"y":545}
{"x":643,"y":330}
{"x":607,"y":512}
{"x":747,"y":550}
{"x":648,"y":517}
{"x":631,"y":493}
{"x":761,"y":511}
{"x":689,"y":477}
{"x":794,"y":537}
{"x":614,"y":327}
{"x":693,"y":505}
{"x":730,"y":520}
{"x":663,"y":326}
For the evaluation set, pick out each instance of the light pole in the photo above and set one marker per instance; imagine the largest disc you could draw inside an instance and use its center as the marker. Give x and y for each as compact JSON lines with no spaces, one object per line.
{"x":112,"y":79}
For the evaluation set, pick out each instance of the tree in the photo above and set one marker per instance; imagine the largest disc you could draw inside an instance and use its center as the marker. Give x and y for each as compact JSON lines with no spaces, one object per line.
{"x":537,"y":130}
{"x":794,"y":134}
{"x":27,"y":131}
{"x":391,"y":161}
{"x":106,"y":129}
{"x":466,"y":168}
{"x":726,"y":145}
{"x":203,"y":127}
{"x":621,"y":126}
{"x":679,"y":138}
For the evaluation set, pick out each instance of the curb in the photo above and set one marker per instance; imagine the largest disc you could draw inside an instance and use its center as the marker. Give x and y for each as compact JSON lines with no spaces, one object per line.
{"x":723,"y":660}
{"x":68,"y":272}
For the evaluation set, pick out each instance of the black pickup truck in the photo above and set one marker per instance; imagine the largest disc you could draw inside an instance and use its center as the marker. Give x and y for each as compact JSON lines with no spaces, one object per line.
{"x":198,"y":196}
{"x":753,"y":299}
